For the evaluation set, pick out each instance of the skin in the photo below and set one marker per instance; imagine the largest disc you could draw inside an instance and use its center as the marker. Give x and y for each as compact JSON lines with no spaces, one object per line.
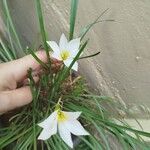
{"x":13,"y":76}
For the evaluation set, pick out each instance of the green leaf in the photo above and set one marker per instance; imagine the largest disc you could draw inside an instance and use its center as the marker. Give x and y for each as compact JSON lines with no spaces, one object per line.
{"x":9,"y":19}
{"x":84,"y":31}
{"x":37,"y":59}
{"x":73,"y":13}
{"x":102,"y":134}
{"x":42,"y":28}
{"x":6,"y":51}
{"x":12,"y":48}
{"x":90,"y":55}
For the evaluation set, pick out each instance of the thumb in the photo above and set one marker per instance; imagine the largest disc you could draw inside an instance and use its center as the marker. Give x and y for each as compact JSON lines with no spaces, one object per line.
{"x":15,"y":98}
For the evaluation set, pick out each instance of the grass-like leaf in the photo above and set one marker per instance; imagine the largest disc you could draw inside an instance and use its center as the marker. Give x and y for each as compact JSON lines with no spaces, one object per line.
{"x":11,"y":25}
{"x":73,"y":13}
{"x":42,"y":28}
{"x":86,"y":29}
{"x":6,"y":52}
{"x":37,"y":59}
{"x":90,"y":55}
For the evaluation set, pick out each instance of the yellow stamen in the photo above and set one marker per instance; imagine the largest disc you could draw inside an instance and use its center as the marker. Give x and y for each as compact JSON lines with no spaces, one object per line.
{"x":65,"y":54}
{"x":61,"y":116}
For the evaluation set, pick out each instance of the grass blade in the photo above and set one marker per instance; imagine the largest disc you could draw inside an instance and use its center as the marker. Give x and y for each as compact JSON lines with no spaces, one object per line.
{"x":6,"y":9}
{"x":6,"y":51}
{"x":11,"y":41}
{"x":102,"y":134}
{"x":90,"y":55}
{"x":89,"y":26}
{"x":37,"y":59}
{"x":73,"y":12}
{"x":42,"y":28}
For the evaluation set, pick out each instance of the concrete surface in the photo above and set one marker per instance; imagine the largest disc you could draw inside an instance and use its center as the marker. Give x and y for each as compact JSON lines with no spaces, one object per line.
{"x":122,"y":68}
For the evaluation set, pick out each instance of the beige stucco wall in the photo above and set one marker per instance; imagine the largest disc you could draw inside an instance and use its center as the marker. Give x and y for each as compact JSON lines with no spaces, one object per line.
{"x":123,"y":67}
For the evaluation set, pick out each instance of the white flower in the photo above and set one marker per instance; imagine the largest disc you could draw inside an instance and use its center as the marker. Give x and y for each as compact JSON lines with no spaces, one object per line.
{"x":66,"y":122}
{"x":66,"y":51}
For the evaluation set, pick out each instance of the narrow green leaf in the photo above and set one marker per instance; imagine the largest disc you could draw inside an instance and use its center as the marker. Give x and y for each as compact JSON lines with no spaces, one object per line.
{"x":34,"y":97}
{"x":3,"y":57}
{"x":102,"y":134}
{"x":42,"y":28}
{"x":87,"y":142}
{"x":12,"y":25}
{"x":6,"y":50}
{"x":120,"y":138}
{"x":37,"y":59}
{"x":73,"y":12}
{"x":89,"y":55}
{"x":84,"y":31}
{"x":11,"y":41}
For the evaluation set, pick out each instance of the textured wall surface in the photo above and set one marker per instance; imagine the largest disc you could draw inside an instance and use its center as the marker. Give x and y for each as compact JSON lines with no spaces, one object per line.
{"x":123,"y":67}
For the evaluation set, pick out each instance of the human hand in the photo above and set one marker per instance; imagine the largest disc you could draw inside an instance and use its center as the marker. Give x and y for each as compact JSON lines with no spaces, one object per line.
{"x":14,"y":73}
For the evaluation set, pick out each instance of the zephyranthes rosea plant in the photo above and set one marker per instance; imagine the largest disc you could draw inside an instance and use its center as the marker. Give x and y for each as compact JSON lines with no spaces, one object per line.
{"x":54,"y":116}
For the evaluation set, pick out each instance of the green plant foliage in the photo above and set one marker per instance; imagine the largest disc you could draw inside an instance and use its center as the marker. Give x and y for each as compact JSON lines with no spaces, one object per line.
{"x":21,"y":130}
{"x":14,"y":40}
{"x":42,"y":28}
{"x":73,"y":13}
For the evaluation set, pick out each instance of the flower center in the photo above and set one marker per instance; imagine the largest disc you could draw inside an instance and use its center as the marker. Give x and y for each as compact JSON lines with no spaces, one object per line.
{"x":65,"y":54}
{"x":61,"y":116}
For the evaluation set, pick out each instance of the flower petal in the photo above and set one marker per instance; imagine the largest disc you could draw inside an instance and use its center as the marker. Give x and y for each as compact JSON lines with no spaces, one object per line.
{"x":50,"y":122}
{"x":63,"y":42}
{"x":65,"y":134}
{"x":54,"y":46}
{"x":45,"y":134}
{"x":72,"y":115}
{"x":56,"y":55}
{"x":75,"y":127}
{"x":49,"y":125}
{"x":69,"y":61}
{"x":73,"y":46}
